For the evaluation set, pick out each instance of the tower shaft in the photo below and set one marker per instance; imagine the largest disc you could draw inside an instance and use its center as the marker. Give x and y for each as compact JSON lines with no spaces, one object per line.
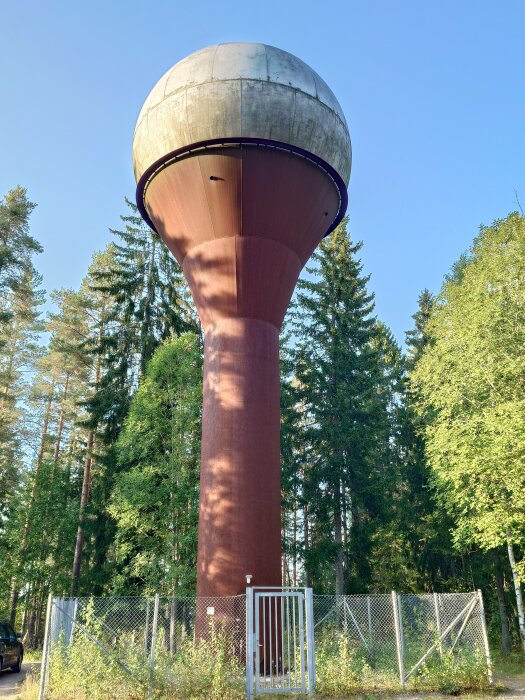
{"x":242,"y":220}
{"x":240,"y":502}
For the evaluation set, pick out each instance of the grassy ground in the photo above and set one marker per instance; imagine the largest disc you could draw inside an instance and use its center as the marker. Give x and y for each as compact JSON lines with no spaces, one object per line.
{"x":509,"y":682}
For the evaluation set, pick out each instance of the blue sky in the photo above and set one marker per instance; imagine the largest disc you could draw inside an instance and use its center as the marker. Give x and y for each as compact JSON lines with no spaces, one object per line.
{"x":433,"y":93}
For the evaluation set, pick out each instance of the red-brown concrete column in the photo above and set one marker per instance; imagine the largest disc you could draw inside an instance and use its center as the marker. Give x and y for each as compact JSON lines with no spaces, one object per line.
{"x":239,"y":520}
{"x":242,"y":221}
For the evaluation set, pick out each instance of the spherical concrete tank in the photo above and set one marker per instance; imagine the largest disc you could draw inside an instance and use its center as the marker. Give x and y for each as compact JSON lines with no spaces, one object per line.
{"x":242,"y":157}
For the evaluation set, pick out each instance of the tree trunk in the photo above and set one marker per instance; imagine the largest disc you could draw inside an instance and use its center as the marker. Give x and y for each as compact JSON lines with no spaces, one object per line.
{"x":306,"y":529}
{"x":86,"y":491}
{"x":517,"y":589}
{"x":500,"y":588}
{"x":84,"y":499}
{"x":61,"y":419}
{"x":13,"y":601}
{"x":338,"y":537}
{"x":23,"y":545}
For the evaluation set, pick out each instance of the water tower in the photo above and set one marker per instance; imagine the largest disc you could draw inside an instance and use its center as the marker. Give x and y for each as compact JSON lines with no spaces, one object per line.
{"x":242,"y":157}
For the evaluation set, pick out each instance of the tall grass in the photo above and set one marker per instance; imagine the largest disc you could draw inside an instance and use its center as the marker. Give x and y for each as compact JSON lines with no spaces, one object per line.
{"x":204,"y":671}
{"x":345,"y":668}
{"x":212,"y":670}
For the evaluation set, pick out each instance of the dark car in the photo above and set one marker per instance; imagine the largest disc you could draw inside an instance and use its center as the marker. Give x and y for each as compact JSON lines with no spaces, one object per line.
{"x":11,"y":648}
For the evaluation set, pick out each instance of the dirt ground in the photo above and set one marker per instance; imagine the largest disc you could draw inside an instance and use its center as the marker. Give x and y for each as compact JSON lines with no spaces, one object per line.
{"x":515,"y":688}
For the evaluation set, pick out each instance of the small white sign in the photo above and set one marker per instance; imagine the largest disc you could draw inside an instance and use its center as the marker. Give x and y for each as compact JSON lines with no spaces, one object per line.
{"x":210,"y":610}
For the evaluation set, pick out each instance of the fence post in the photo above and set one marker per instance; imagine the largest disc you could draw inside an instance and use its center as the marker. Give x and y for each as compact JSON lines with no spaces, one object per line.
{"x":399,"y":636}
{"x":173,"y":624}
{"x":369,"y":612}
{"x":310,"y":639}
{"x":485,"y":635}
{"x":45,"y":650}
{"x":146,"y":629}
{"x":249,"y":643}
{"x":153,"y":642}
{"x":438,"y":622}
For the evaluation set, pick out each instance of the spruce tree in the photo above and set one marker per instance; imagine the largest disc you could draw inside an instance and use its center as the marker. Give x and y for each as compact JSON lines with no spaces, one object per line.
{"x":344,"y":394}
{"x":147,"y":302}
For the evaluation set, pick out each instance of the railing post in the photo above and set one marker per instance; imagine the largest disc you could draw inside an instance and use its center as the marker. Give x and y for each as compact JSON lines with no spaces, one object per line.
{"x":399,"y":636}
{"x":153,"y":642}
{"x":249,"y":643}
{"x":45,"y":651}
{"x":310,"y":639}
{"x":438,"y":622}
{"x":485,"y":636}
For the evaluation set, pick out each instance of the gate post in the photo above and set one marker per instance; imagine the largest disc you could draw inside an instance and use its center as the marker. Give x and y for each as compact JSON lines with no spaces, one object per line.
{"x":485,"y":635}
{"x":45,"y":651}
{"x":249,"y":643}
{"x":310,"y":639}
{"x":399,"y":639}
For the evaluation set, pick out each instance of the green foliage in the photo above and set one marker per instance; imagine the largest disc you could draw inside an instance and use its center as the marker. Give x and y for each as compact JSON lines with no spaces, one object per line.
{"x":17,"y":245}
{"x":454,"y":673}
{"x":342,"y":667}
{"x":204,"y":671}
{"x":147,"y":302}
{"x":343,"y":372}
{"x":419,"y":549}
{"x":469,"y":381}
{"x":82,"y":670}
{"x":155,"y":499}
{"x":19,"y":350}
{"x":345,"y":668}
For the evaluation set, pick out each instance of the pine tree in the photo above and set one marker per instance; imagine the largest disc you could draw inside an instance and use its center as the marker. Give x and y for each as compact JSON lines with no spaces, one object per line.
{"x":17,"y":246}
{"x":19,"y":350}
{"x":44,"y":518}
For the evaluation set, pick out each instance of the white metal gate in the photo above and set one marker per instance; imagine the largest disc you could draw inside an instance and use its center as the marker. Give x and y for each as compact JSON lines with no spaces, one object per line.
{"x":280,"y":641}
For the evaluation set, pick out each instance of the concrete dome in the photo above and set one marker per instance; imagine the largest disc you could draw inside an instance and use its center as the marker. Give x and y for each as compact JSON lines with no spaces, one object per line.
{"x":242,"y":90}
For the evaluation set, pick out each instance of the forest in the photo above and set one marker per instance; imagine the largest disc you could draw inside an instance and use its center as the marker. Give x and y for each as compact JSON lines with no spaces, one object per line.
{"x":402,"y":467}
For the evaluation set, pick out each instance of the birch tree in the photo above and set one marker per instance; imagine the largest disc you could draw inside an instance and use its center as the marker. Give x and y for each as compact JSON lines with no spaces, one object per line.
{"x":471,"y":386}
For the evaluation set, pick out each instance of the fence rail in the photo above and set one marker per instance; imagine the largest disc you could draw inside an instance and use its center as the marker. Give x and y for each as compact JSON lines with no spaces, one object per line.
{"x":395,"y":634}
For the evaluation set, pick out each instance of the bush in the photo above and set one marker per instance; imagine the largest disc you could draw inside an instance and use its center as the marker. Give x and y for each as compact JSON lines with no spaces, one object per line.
{"x":208,"y":670}
{"x":454,"y":673}
{"x":342,"y":667}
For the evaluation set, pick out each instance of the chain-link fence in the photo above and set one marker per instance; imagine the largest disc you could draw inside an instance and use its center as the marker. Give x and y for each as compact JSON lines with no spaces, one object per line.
{"x":395,"y":634}
{"x":155,"y":642}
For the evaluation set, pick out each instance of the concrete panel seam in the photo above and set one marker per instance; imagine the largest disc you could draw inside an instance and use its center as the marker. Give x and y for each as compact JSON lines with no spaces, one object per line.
{"x":185,"y":88}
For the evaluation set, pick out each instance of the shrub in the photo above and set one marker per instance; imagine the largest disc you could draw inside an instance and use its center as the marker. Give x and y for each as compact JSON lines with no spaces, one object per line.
{"x":341,"y":667}
{"x":81,"y":670}
{"x":453,"y":673}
